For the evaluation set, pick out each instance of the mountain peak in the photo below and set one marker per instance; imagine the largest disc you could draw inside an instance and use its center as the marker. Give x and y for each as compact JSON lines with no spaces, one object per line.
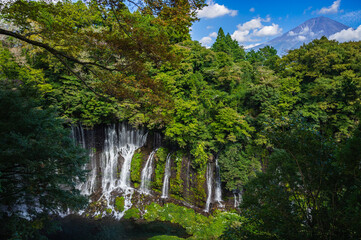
{"x":311,"y":29}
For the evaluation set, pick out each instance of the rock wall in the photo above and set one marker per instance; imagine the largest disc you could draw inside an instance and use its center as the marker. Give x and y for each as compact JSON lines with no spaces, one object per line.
{"x":111,"y":196}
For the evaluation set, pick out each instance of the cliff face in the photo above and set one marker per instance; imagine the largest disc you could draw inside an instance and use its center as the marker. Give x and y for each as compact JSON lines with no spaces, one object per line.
{"x":132,"y":168}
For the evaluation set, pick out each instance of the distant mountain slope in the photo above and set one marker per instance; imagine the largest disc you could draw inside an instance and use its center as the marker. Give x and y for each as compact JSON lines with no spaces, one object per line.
{"x":306,"y":32}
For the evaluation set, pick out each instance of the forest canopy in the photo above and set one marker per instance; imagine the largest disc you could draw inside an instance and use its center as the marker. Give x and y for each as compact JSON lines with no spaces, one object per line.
{"x":285,"y":130}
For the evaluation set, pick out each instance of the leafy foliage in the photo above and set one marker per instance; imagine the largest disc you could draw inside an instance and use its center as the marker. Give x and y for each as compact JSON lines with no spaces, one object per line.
{"x":225,"y":43}
{"x":302,"y":193}
{"x":201,"y":227}
{"x":39,"y":165}
{"x":237,"y":167}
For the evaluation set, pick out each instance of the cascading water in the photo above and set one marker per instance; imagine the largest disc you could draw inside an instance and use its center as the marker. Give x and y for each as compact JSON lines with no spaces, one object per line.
{"x":167,"y":172}
{"x":78,"y":134}
{"x":119,"y":141}
{"x":237,"y":201}
{"x":146,"y":176}
{"x":209,"y":177}
{"x":218,"y":187}
{"x":123,"y":141}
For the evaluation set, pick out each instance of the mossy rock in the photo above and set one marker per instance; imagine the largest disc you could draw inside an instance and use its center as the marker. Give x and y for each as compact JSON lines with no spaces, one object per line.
{"x":160,"y":159}
{"x":119,"y":204}
{"x":198,"y":225}
{"x":135,"y":170}
{"x":132,"y":213}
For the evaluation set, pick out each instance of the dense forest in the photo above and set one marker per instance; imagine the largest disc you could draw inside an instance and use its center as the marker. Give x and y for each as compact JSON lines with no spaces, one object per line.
{"x":285,"y":130}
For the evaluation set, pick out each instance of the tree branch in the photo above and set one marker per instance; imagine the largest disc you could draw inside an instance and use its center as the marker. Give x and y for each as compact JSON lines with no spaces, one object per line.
{"x":79,"y":77}
{"x":52,"y":50}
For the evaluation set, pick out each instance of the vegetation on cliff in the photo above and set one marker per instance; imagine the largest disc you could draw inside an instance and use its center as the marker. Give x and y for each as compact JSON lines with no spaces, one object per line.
{"x":285,"y":130}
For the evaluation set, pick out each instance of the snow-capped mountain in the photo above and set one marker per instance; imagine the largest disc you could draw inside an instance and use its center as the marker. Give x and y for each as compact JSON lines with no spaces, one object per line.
{"x":312,"y":29}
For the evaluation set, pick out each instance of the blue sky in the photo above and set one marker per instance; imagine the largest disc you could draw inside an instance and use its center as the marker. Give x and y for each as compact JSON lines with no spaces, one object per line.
{"x":254,"y":22}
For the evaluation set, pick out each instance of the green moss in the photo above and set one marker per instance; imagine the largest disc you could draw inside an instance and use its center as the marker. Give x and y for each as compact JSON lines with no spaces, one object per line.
{"x":177,"y":197}
{"x":135,"y":170}
{"x":132,"y":213}
{"x":198,"y":193}
{"x":108,"y":211}
{"x":176,"y":183}
{"x":160,"y":159}
{"x":97,"y":217}
{"x":119,"y":204}
{"x":198,"y":225}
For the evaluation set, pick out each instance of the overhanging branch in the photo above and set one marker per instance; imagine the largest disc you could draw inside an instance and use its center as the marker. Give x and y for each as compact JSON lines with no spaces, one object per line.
{"x":52,"y":50}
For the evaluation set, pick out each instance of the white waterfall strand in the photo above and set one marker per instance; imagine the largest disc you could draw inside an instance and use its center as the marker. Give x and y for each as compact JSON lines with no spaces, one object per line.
{"x":218,"y":187}
{"x":109,"y":160}
{"x":129,"y":141}
{"x":167,"y":173}
{"x":125,"y":143}
{"x":122,"y":141}
{"x":88,"y":187}
{"x":209,"y":178}
{"x":146,"y":176}
{"x":238,"y":201}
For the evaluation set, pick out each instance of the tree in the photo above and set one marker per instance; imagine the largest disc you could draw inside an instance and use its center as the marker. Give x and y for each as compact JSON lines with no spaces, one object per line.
{"x":39,"y":166}
{"x":237,"y":167}
{"x":330,"y":84}
{"x":308,"y":191}
{"x":225,"y":43}
{"x":109,"y":46}
{"x":266,"y":56}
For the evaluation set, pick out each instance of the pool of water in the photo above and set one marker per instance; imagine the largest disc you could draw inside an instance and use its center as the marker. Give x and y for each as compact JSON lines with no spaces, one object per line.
{"x":78,"y":228}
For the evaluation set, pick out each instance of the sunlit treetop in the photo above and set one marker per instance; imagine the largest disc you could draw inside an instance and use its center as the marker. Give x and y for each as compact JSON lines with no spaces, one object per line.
{"x":112,"y":41}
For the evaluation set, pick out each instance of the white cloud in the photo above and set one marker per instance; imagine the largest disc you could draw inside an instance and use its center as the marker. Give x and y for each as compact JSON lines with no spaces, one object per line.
{"x":291,"y":33}
{"x":255,"y":28}
{"x":347,"y":35}
{"x":209,"y":27}
{"x":251,"y":45}
{"x":253,"y":24}
{"x":241,"y":36}
{"x":304,"y":30}
{"x":334,"y":8}
{"x":268,"y":31}
{"x":252,"y":10}
{"x":301,"y":38}
{"x":213,"y":35}
{"x":214,"y":10}
{"x":206,"y":41}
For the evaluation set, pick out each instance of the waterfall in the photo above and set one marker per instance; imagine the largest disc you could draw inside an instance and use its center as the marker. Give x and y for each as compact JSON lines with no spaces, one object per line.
{"x":78,"y":135}
{"x":167,"y":173}
{"x":209,"y":178}
{"x":147,"y":172}
{"x":218,"y":187}
{"x":238,"y":201}
{"x":120,"y":140}
{"x":129,"y":140}
{"x":109,"y":160}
